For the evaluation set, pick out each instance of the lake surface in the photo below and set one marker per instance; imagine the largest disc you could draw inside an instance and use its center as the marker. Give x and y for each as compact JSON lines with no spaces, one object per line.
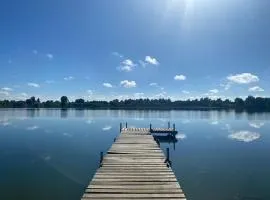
{"x":53,"y":154}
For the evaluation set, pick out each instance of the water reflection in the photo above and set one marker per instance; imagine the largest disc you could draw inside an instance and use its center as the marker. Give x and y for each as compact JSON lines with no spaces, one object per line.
{"x":256,"y":124}
{"x":64,"y":113}
{"x":244,"y":136}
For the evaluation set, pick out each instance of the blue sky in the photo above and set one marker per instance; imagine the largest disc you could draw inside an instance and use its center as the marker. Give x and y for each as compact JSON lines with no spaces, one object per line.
{"x":104,"y":49}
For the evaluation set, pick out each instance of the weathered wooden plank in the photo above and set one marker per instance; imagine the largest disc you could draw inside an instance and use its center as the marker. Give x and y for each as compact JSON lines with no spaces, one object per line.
{"x":134,"y":168}
{"x":142,"y":187}
{"x":135,"y":191}
{"x":111,"y":196}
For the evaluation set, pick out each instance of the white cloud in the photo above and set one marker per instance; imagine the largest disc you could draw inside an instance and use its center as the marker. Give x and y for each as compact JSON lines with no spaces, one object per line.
{"x":128,"y":84}
{"x":256,"y":124}
{"x":7,"y":89}
{"x":49,"y":56}
{"x":153,"y":84}
{"x":9,"y":61}
{"x":180,"y":77}
{"x":108,"y":85}
{"x":142,"y":63}
{"x":244,"y":136}
{"x":31,"y":128}
{"x":256,"y":89}
{"x":214,"y":91}
{"x":244,"y":78}
{"x":49,"y":81}
{"x":106,"y":128}
{"x":35,"y":52}
{"x":69,"y":78}
{"x":4,"y":93}
{"x":185,"y":92}
{"x":151,"y":60}
{"x":127,"y":65}
{"x":117,"y":54}
{"x":33,"y":85}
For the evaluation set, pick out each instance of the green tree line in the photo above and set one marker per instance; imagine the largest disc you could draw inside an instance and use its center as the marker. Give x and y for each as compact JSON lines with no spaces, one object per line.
{"x":250,"y":103}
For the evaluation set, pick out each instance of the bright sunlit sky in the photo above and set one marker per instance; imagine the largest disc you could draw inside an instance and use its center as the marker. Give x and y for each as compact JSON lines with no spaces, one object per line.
{"x":108,"y":49}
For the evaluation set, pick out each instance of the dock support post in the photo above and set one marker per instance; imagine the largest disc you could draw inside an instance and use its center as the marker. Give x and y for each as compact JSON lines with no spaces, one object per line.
{"x":120,"y":127}
{"x":173,"y":127}
{"x":169,"y":125}
{"x":167,"y":161}
{"x":101,"y":159}
{"x":150,"y":127}
{"x":126,"y":124}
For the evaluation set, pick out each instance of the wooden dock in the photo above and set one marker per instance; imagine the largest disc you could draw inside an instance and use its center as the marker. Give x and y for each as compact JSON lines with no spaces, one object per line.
{"x":134,"y":168}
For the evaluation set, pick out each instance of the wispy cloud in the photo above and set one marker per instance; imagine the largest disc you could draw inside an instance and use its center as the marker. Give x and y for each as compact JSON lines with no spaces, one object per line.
{"x":108,"y":85}
{"x":35,"y":52}
{"x":49,"y":56}
{"x":244,"y":136}
{"x":31,"y":128}
{"x":106,"y":128}
{"x":128,"y":84}
{"x":214,"y":91}
{"x":226,"y":86}
{"x":180,"y":77}
{"x":90,"y":92}
{"x":117,"y":54}
{"x":151,"y":60}
{"x":142,"y":63}
{"x":68,"y":78}
{"x":244,"y":78}
{"x":33,"y":85}
{"x":185,"y":92}
{"x":256,"y":89}
{"x":23,"y":94}
{"x":127,"y":65}
{"x":153,"y":84}
{"x":49,"y":81}
{"x":7,"y":89}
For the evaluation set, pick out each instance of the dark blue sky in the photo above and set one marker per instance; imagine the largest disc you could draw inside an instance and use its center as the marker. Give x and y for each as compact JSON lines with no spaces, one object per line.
{"x":134,"y":48}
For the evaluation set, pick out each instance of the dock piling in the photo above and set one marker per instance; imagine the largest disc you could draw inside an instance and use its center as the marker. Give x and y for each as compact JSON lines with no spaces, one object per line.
{"x":169,"y":125}
{"x":173,"y":127}
{"x":126,"y":124}
{"x":120,"y":127}
{"x":101,"y":159}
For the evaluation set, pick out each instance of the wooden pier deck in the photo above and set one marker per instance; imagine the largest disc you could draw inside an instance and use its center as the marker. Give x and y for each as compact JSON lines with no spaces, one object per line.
{"x":134,"y":168}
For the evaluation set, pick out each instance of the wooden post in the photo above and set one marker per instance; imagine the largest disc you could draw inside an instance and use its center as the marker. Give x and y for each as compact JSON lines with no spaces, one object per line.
{"x":120,"y":127}
{"x":150,"y":127}
{"x":114,"y":139}
{"x":101,"y":159}
{"x":126,"y":124}
{"x":169,"y":125}
{"x":167,"y":161}
{"x":173,"y":127}
{"x":168,"y":154}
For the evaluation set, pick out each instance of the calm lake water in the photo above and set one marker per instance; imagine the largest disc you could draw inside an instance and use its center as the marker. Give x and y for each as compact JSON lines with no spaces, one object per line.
{"x":53,"y":154}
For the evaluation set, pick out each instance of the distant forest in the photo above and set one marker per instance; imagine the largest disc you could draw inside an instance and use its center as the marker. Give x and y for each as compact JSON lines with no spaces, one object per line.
{"x":250,"y":103}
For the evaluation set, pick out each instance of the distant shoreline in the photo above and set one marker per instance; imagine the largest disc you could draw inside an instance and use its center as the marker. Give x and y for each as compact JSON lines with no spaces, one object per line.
{"x":250,"y":104}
